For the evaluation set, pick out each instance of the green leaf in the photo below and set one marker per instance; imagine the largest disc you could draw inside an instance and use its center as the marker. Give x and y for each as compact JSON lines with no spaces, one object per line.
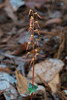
{"x":31,"y":90}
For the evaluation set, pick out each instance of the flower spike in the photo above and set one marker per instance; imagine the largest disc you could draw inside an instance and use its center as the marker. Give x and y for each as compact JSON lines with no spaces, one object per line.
{"x":34,"y":53}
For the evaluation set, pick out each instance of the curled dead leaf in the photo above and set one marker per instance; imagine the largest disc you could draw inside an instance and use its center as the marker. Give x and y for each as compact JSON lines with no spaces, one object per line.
{"x":22,"y":84}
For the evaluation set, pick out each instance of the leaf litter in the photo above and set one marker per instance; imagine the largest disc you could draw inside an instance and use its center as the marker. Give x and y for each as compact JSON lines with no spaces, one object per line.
{"x":49,"y":70}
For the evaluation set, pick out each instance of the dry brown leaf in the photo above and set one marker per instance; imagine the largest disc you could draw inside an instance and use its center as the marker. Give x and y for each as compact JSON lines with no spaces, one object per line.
{"x":21,"y":49}
{"x":22,"y":84}
{"x":7,"y":70}
{"x":46,"y":69}
{"x":53,"y":83}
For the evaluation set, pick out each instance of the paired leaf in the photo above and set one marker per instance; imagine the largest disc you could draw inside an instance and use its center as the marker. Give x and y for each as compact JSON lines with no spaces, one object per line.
{"x":31,"y":90}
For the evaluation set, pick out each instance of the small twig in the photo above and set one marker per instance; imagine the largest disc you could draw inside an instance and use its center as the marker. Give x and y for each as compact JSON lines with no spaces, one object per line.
{"x":60,"y":49}
{"x":43,"y":81}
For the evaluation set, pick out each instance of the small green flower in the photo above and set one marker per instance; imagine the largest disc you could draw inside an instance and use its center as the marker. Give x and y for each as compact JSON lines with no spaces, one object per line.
{"x":31,"y":90}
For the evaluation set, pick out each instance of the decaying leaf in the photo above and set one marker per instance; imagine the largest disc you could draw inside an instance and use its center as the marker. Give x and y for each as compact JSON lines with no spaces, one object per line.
{"x":46,"y":69}
{"x":22,"y":84}
{"x":53,"y":83}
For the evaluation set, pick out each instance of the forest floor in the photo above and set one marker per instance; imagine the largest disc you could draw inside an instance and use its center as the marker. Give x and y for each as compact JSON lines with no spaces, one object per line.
{"x":14,"y":36}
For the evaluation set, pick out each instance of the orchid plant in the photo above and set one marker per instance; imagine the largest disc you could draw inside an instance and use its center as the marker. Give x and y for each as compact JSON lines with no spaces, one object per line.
{"x":32,"y":88}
